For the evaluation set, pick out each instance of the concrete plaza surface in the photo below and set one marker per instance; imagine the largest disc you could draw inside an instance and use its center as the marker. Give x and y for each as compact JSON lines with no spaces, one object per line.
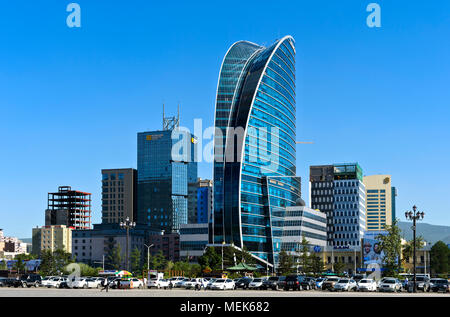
{"x":50,"y":292}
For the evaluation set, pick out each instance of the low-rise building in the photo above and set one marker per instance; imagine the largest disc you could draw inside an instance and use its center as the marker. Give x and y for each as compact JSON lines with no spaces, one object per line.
{"x":54,"y":237}
{"x":193,"y":240}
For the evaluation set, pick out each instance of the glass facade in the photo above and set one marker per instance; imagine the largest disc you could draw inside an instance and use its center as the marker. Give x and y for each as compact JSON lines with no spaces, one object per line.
{"x":163,"y":181}
{"x":254,"y":182}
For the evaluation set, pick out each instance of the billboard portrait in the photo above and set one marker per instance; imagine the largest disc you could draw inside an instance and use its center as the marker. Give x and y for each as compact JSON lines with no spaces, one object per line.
{"x":372,"y":250}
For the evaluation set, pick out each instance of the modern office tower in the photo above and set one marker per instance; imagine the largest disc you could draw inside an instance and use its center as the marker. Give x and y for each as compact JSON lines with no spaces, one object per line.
{"x":119,"y":188}
{"x":299,"y":222}
{"x":380,"y":201}
{"x":193,"y":240}
{"x":254,"y":147}
{"x":339,"y":191}
{"x":203,"y":204}
{"x":167,"y":164}
{"x":57,"y":237}
{"x":71,"y":208}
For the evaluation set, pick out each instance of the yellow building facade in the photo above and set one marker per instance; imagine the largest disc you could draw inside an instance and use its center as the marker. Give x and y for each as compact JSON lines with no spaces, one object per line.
{"x":55,"y":237}
{"x":380,"y":201}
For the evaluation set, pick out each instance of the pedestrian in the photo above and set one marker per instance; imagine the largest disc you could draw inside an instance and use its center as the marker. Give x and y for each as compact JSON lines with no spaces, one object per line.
{"x":170,"y":285}
{"x":105,"y":285}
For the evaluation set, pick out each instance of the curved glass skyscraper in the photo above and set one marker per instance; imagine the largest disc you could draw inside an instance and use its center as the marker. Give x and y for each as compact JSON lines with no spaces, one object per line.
{"x":254,"y":147}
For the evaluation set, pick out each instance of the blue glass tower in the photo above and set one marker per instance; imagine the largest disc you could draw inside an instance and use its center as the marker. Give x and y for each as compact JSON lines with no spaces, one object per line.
{"x":254,"y":147}
{"x":163,"y":179}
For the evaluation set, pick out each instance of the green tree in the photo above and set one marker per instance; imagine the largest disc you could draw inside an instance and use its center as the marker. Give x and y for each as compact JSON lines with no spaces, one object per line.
{"x":158,"y":261}
{"x":114,"y":257}
{"x":286,"y":263}
{"x":3,"y":265}
{"x":408,"y":248}
{"x":20,"y":262}
{"x":440,"y":254}
{"x":47,"y":266}
{"x":304,"y":254}
{"x":135,"y":260}
{"x":317,"y":266}
{"x":338,"y":266}
{"x":210,"y":259}
{"x":392,"y":247}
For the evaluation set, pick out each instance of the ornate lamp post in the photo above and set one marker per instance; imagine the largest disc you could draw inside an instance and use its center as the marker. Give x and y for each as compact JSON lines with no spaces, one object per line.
{"x":414,"y":216}
{"x":127,"y":225}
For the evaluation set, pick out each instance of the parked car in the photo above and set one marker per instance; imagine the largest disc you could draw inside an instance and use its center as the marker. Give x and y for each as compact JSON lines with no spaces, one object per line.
{"x":30,"y":280}
{"x":163,"y":283}
{"x":390,"y":285}
{"x":94,"y":282}
{"x":243,"y":282}
{"x":271,"y":282}
{"x":80,"y":283}
{"x":281,"y":282}
{"x":210,"y":283}
{"x":3,"y":281}
{"x":46,"y":280}
{"x":193,"y":283}
{"x":180,"y":283}
{"x":55,"y":282}
{"x":319,"y":282}
{"x":293,"y":282}
{"x":157,"y":283}
{"x":14,"y":282}
{"x":422,"y":284}
{"x":440,"y":285}
{"x":367,"y":285}
{"x":257,"y":283}
{"x":329,"y":282}
{"x":223,"y":284}
{"x":345,"y":284}
{"x":308,"y":283}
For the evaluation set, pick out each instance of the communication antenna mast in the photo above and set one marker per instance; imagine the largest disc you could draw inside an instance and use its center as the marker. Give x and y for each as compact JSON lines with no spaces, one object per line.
{"x":171,"y":123}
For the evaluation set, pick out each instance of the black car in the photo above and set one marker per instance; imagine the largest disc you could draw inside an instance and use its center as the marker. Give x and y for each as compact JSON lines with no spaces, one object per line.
{"x":422,"y":284}
{"x":14,"y":282}
{"x":3,"y":280}
{"x":243,"y":282}
{"x":294,"y":282}
{"x":308,"y":283}
{"x":30,"y":280}
{"x":440,"y":285}
{"x":271,"y":282}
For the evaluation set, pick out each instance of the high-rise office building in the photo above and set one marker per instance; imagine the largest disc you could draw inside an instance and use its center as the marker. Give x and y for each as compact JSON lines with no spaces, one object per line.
{"x":380,"y":201}
{"x":119,"y":187}
{"x":71,"y":208}
{"x":339,"y":191}
{"x":254,"y":147}
{"x":166,"y":162}
{"x":201,"y":211}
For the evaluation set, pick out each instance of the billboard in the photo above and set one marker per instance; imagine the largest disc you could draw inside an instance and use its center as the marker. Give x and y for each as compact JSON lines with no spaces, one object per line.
{"x":372,"y":251}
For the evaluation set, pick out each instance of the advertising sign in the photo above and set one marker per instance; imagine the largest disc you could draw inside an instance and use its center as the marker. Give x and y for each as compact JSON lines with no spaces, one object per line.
{"x":372,"y":251}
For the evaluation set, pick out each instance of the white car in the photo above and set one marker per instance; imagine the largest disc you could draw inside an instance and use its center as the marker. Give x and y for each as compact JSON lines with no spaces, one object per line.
{"x":94,"y":282}
{"x":45,"y":281}
{"x":80,"y":283}
{"x":136,"y":283}
{"x":256,"y":283}
{"x":157,"y":283}
{"x":55,"y":282}
{"x":210,"y":282}
{"x":223,"y":284}
{"x":180,"y":283}
{"x":389,"y":285}
{"x":367,"y":285}
{"x":196,"y":281}
{"x":345,"y":284}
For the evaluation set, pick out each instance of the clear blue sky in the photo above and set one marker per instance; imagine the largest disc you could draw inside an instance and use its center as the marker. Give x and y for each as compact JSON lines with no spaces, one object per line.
{"x":72,"y":100}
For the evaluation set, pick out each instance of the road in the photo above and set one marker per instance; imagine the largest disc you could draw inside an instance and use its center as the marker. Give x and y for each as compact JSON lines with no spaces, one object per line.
{"x":49,"y":292}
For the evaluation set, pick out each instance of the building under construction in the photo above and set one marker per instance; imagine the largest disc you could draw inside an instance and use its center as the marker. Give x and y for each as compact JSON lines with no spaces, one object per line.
{"x":69,"y":207}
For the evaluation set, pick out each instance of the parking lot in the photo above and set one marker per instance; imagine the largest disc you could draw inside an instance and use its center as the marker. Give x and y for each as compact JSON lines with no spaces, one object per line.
{"x":50,"y":292}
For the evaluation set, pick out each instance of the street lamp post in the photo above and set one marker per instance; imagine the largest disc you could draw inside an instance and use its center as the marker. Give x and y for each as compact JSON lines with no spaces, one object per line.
{"x":414,"y":216}
{"x":148,"y":256}
{"x":223,"y":243}
{"x":127,"y":224}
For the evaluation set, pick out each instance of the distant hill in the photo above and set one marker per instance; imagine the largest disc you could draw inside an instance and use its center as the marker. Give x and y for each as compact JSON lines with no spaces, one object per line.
{"x":26,"y":240}
{"x":431,"y":233}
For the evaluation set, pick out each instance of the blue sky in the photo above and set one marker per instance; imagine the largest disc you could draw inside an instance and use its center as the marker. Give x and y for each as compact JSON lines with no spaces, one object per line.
{"x":72,"y":100}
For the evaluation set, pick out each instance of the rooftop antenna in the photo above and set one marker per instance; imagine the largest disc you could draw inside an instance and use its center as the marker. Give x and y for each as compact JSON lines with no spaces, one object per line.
{"x":171,"y":123}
